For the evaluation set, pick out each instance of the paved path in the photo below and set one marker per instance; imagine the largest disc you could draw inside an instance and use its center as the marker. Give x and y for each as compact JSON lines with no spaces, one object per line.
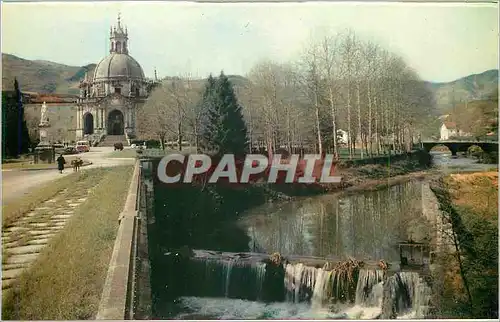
{"x":28,"y":236}
{"x":16,"y":183}
{"x":23,"y":242}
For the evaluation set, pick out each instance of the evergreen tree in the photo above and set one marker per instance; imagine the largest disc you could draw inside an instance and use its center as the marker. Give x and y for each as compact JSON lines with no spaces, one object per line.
{"x":223,"y":129}
{"x":9,"y":125}
{"x":207,"y":109}
{"x":15,"y":135}
{"x":23,"y":139}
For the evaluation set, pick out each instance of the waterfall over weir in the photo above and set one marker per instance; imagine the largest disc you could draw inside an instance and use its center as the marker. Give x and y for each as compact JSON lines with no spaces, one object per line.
{"x":253,"y":289}
{"x":225,"y":278}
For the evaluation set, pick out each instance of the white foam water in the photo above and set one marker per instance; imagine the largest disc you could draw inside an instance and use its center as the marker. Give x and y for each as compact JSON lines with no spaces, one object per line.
{"x":317,"y":293}
{"x":223,"y":308}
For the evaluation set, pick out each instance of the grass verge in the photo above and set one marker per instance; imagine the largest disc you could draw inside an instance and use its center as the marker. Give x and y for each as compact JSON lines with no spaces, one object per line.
{"x":31,"y":165}
{"x":66,"y":281}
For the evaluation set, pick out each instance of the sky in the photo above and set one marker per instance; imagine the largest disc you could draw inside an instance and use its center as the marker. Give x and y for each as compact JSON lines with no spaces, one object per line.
{"x":442,"y":42}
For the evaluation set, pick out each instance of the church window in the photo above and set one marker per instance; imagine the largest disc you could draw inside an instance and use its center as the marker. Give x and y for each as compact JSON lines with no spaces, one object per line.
{"x":118,"y":90}
{"x":118,"y":46}
{"x":100,"y":90}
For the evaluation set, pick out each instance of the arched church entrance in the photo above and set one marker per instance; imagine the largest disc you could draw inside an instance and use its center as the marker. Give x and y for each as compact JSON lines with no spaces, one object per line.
{"x":88,"y":123}
{"x":115,"y":123}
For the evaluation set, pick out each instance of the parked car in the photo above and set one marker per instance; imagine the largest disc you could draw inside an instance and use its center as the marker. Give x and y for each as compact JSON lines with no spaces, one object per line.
{"x":82,"y":146}
{"x":43,"y":146}
{"x":58,"y":147}
{"x":118,"y":146}
{"x":70,"y":150}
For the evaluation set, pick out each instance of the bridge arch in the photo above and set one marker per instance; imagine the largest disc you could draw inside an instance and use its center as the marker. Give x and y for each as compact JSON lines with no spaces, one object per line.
{"x":475,"y":150}
{"x":440,"y":147}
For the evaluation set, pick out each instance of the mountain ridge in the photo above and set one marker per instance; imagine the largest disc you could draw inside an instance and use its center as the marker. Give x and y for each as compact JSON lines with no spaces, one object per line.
{"x":49,"y":77}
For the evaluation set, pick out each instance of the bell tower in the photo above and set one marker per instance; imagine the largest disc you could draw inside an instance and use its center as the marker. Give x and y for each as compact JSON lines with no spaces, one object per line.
{"x":118,"y":38}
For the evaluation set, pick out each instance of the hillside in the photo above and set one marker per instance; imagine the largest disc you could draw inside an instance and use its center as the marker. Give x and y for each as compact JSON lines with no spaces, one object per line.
{"x":476,"y":117}
{"x":476,"y":87}
{"x":50,"y":77}
{"x":42,"y":76}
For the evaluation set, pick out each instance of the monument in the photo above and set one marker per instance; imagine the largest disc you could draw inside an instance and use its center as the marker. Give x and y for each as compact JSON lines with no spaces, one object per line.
{"x":44,"y":123}
{"x":44,"y":151}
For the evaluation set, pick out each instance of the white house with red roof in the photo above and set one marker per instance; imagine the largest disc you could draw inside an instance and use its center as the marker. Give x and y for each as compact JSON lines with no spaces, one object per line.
{"x":449,"y":130}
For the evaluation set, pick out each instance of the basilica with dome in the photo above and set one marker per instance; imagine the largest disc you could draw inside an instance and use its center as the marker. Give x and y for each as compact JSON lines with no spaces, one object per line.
{"x":109,"y":98}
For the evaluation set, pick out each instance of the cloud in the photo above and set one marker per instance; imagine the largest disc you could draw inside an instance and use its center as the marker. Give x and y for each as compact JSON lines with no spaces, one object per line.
{"x":441,"y":42}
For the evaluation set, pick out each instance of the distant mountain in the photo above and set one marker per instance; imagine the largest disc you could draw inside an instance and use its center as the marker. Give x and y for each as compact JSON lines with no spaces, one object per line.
{"x":42,"y":76}
{"x":49,"y":77}
{"x":475,"y":87}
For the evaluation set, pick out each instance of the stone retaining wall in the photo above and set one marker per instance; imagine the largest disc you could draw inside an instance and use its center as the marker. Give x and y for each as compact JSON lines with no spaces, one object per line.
{"x":117,"y":296}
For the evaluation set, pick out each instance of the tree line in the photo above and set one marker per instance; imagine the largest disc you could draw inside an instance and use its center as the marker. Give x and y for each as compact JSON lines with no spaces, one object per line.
{"x":340,"y":84}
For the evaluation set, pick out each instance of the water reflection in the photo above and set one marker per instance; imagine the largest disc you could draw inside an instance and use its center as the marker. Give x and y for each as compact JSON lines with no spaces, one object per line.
{"x":446,"y":163}
{"x":368,"y":225}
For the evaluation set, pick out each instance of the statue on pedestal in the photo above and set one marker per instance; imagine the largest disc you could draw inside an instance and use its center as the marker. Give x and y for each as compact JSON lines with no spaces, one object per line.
{"x":44,"y":121}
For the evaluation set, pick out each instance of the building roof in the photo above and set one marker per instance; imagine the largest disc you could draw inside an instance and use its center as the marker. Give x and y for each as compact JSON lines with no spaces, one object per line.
{"x":53,"y":99}
{"x":118,"y":65}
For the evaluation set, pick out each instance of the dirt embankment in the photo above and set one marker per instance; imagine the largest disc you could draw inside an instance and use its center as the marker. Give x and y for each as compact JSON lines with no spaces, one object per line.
{"x":363,"y":175}
{"x":469,"y":284}
{"x":376,"y":176}
{"x":477,"y":191}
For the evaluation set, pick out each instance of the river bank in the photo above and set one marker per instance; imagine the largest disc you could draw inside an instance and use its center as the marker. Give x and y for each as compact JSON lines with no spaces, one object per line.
{"x":366,"y":174}
{"x":468,"y":287}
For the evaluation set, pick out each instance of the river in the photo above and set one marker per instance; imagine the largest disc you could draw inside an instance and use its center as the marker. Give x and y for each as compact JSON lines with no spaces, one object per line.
{"x":366,"y":225}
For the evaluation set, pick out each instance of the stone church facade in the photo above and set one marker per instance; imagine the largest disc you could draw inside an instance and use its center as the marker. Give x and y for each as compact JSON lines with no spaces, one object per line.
{"x":108,"y":101}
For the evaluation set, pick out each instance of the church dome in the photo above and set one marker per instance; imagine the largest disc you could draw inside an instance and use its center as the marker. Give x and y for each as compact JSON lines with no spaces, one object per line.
{"x":118,"y":65}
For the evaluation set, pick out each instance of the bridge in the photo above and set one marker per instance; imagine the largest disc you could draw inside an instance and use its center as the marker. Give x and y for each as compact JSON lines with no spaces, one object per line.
{"x":461,"y":146}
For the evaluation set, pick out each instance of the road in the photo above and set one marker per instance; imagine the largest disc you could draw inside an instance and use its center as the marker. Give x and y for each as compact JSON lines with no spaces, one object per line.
{"x":17,"y":183}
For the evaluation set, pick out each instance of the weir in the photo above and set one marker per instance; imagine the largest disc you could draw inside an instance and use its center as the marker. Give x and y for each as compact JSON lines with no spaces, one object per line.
{"x":253,"y":277}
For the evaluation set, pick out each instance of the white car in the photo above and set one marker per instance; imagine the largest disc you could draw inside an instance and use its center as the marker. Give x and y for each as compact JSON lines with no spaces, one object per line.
{"x":82,"y":146}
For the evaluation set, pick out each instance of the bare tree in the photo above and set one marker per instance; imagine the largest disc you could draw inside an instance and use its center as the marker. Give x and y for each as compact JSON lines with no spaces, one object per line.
{"x":311,"y":81}
{"x":170,"y":111}
{"x":348,"y":52}
{"x":329,"y":64}
{"x":153,"y":118}
{"x":339,"y":82}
